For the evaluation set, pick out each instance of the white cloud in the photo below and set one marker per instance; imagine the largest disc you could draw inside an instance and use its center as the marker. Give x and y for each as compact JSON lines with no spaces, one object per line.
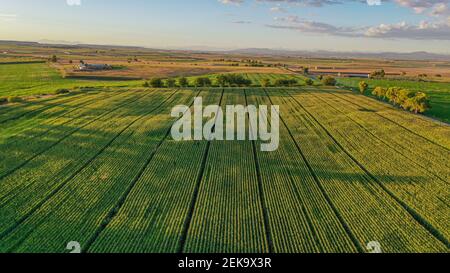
{"x":232,"y":2}
{"x":73,"y":2}
{"x":423,"y":31}
{"x":8,"y":17}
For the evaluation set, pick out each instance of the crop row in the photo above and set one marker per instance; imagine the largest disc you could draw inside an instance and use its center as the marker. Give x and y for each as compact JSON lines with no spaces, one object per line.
{"x":370,"y":213}
{"x":422,"y":192}
{"x":422,"y":126}
{"x":156,"y":214}
{"x":420,"y":152}
{"x":300,"y":218}
{"x":23,"y":149}
{"x":78,"y":207}
{"x":39,"y":124}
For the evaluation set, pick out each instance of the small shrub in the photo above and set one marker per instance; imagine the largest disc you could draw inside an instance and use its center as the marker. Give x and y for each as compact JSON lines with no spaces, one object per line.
{"x":62,"y":91}
{"x":146,"y":84}
{"x":363,"y":86}
{"x":3,"y":100}
{"x":171,"y":83}
{"x":309,"y":82}
{"x":183,"y":82}
{"x":156,"y":83}
{"x":329,"y":81}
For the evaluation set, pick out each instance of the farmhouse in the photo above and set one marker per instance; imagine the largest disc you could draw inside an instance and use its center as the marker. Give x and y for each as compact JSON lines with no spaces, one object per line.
{"x":90,"y":67}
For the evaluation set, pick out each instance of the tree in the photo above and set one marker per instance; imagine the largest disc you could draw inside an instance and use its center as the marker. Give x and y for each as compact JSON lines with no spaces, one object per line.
{"x":403,"y":95}
{"x":363,"y":86}
{"x":380,"y":92}
{"x":233,"y":80}
{"x":309,"y":82}
{"x":54,"y":59}
{"x":285,"y":82}
{"x":417,"y":104}
{"x":320,"y":77}
{"x":183,"y":82}
{"x":329,"y":81}
{"x":391,"y":94}
{"x":170,"y":83}
{"x":156,"y":83}
{"x":265,"y":82}
{"x":202,"y":82}
{"x":305,"y":70}
{"x":222,"y":80}
{"x":146,"y":84}
{"x":378,"y":74}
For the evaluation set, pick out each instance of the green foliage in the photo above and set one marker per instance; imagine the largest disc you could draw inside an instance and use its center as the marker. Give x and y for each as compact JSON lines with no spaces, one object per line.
{"x":146,"y":84}
{"x":3,"y":100}
{"x":171,"y":83}
{"x":53,"y":59}
{"x":285,"y":82}
{"x":305,"y":70}
{"x":309,"y":82}
{"x":380,"y":92}
{"x":156,"y":83}
{"x":62,"y":91}
{"x":232,"y":80}
{"x":408,"y":100}
{"x":378,"y":74}
{"x":417,"y":104}
{"x":438,"y":93}
{"x":202,"y":82}
{"x":183,"y":82}
{"x":329,"y":81}
{"x":363,"y":86}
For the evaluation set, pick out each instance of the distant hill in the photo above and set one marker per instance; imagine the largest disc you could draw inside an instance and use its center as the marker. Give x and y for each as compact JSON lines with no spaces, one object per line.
{"x":421,"y":55}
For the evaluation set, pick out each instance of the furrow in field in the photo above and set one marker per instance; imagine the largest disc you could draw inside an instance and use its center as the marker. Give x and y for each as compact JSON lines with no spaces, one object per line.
{"x":370,"y":213}
{"x":228,"y":216}
{"x":427,"y":196}
{"x":156,"y":212}
{"x":300,"y":218}
{"x":419,"y":152}
{"x":24,"y":150}
{"x":41,"y":184}
{"x":79,"y":208}
{"x":21,"y":128}
{"x":436,"y":132}
{"x":34,"y":107}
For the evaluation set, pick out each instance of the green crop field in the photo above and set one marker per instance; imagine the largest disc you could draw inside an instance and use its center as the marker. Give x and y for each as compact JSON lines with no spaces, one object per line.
{"x":25,"y":79}
{"x":101,"y":169}
{"x":439,"y":93}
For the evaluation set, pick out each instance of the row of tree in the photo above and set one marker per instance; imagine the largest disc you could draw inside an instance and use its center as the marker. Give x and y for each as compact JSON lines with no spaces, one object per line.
{"x":417,"y":102}
{"x":223,"y":80}
{"x":233,"y":80}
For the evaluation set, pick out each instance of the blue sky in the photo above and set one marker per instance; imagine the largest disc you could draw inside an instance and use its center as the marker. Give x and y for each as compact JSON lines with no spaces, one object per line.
{"x":353,"y":25}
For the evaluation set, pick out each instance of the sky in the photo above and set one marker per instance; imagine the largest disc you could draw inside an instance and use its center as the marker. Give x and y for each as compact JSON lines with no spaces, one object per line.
{"x":336,"y":25}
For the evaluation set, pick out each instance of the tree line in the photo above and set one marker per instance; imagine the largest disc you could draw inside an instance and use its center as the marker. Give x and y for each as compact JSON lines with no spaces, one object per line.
{"x":416,"y":102}
{"x":223,"y":80}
